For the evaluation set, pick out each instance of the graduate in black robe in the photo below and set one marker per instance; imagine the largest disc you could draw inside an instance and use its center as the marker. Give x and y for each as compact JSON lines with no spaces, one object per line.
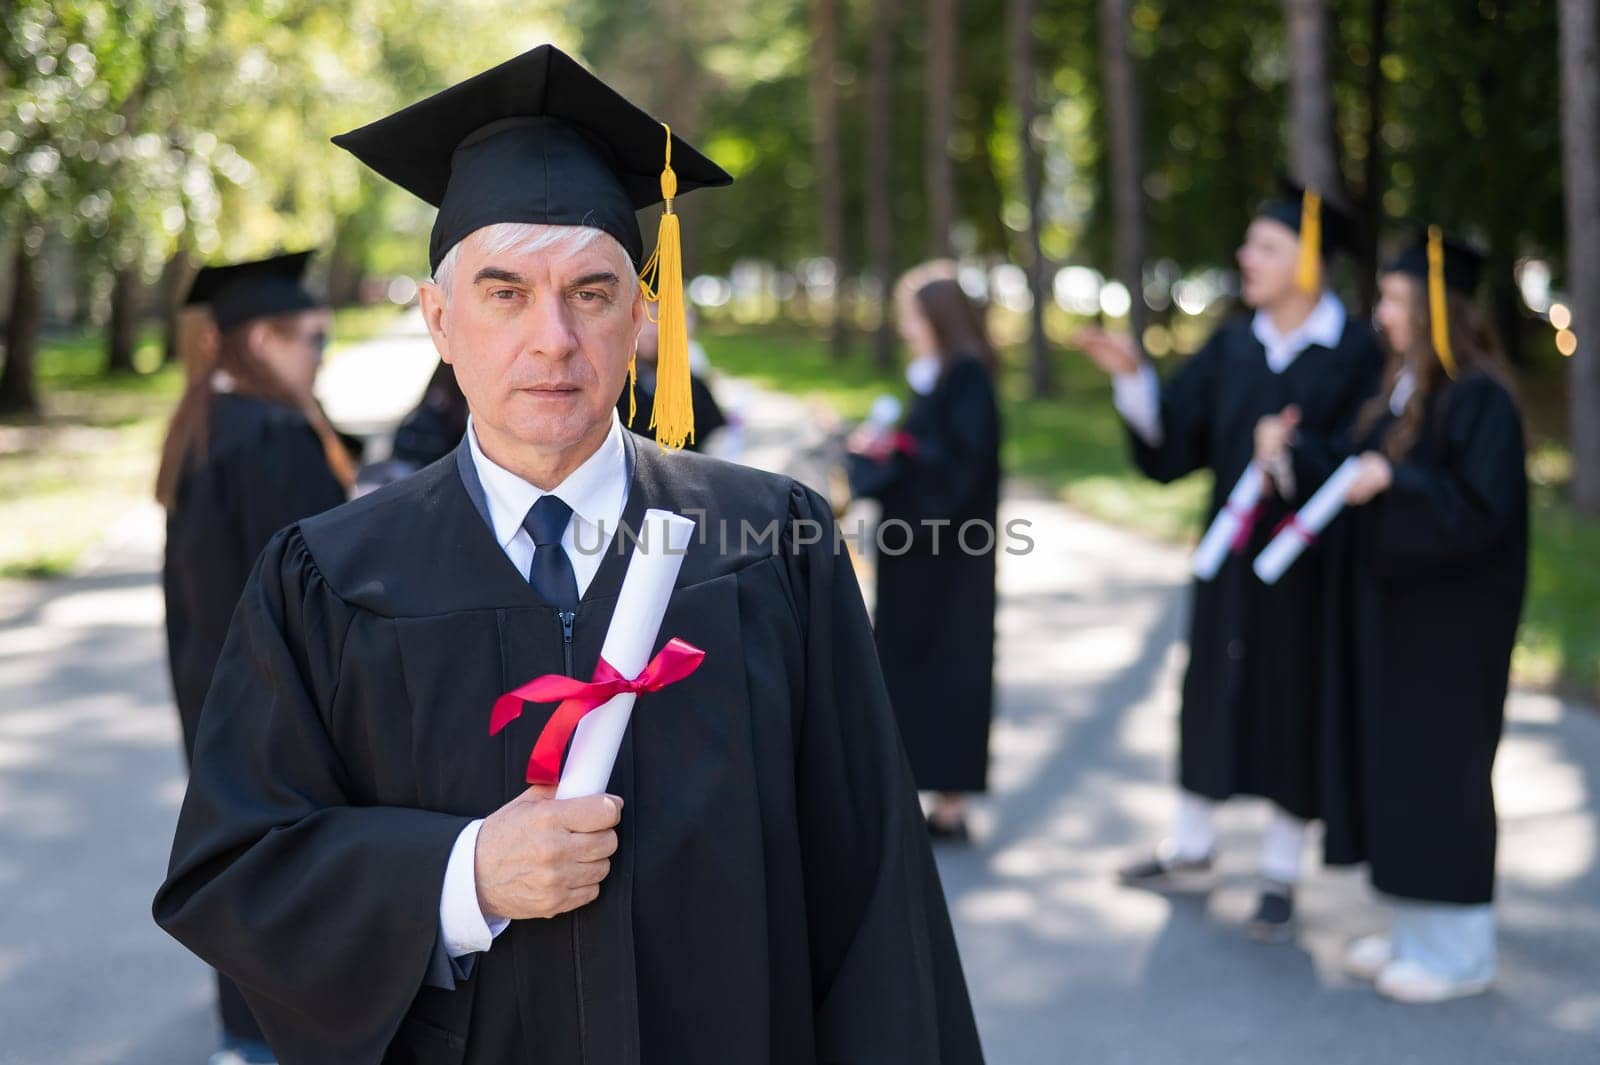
{"x":1250,"y":721}
{"x":770,"y":895}
{"x":708,"y":415}
{"x":247,"y":454}
{"x":937,"y":476}
{"x":1431,"y":578}
{"x":433,"y":428}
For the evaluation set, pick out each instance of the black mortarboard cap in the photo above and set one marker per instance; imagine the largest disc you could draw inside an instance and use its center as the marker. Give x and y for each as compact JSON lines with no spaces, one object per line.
{"x":1339,"y":229}
{"x":241,"y":292}
{"x":536,"y":139}
{"x":1463,"y":264}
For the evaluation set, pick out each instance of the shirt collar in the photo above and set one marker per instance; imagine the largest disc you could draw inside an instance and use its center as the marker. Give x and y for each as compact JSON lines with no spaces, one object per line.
{"x":1323,"y":327}
{"x":596,"y":491}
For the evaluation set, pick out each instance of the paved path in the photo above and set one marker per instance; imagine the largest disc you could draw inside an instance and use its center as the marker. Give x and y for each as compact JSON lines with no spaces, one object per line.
{"x":1064,"y":966}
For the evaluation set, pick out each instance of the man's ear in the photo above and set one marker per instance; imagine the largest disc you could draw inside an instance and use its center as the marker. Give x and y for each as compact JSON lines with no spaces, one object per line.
{"x":431,"y":299}
{"x":639,"y":312}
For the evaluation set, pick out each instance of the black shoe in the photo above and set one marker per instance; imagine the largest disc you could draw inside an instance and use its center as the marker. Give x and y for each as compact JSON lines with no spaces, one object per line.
{"x":1162,"y":870}
{"x":949,"y":832}
{"x":1273,"y":921}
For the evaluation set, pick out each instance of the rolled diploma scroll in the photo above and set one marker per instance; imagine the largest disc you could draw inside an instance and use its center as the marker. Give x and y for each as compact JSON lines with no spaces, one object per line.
{"x":642,"y":603}
{"x":1276,"y":558}
{"x":1218,"y":540}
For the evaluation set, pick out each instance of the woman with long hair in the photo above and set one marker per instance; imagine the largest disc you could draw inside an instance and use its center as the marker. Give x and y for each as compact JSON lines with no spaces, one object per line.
{"x":248,"y":451}
{"x":1435,"y":573}
{"x":938,"y":478}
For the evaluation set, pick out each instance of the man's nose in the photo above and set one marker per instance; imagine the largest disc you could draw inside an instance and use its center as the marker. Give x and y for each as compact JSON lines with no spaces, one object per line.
{"x":550,"y":331}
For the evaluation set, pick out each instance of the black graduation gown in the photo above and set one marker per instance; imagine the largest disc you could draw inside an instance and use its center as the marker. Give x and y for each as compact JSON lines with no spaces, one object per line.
{"x":773,"y":898}
{"x":708,"y":416}
{"x":935,"y":608}
{"x":1249,"y":723}
{"x":264,"y":468}
{"x":1435,"y":572}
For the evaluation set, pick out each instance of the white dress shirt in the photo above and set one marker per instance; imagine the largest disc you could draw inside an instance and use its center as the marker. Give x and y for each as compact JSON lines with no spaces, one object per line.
{"x":596,"y":491}
{"x":1137,"y":396}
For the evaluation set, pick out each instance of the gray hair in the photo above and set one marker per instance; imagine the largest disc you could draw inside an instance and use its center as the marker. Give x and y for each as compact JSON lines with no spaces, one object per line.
{"x":522,"y":238}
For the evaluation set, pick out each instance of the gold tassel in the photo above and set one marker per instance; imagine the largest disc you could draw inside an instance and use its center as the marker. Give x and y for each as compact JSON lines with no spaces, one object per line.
{"x":1438,"y":309}
{"x":1308,"y":271}
{"x":662,"y":281}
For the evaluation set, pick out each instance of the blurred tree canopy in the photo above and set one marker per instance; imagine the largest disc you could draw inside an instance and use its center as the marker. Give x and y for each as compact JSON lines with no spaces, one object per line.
{"x":149,"y":132}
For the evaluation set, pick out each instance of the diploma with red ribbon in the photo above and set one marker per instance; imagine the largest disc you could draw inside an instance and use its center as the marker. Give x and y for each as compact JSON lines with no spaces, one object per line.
{"x":1301,"y":529}
{"x":594,"y":714}
{"x":1230,"y":530}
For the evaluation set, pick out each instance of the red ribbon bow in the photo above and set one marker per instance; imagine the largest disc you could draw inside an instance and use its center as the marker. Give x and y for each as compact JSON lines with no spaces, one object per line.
{"x":675,"y":661}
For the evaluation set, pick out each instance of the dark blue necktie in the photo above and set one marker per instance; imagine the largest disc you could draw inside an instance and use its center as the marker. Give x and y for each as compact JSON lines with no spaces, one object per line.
{"x":552,"y":576}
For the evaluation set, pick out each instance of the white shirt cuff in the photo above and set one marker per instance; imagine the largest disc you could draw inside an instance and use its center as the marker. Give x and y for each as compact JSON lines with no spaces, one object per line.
{"x":1137,"y":397}
{"x":462,"y":926}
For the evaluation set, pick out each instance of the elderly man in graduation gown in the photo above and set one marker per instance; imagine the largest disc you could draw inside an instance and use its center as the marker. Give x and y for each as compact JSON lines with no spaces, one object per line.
{"x":368,"y":863}
{"x":1250,"y":723}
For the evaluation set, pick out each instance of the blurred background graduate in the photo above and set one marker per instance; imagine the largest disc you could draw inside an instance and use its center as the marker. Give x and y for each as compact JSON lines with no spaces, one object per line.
{"x":1249,"y":723}
{"x":1433,"y":585}
{"x":248,"y":452}
{"x":937,"y":475}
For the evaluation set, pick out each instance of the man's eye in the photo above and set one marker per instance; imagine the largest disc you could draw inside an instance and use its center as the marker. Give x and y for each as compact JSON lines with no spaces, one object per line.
{"x":503,"y":294}
{"x":589,"y":296}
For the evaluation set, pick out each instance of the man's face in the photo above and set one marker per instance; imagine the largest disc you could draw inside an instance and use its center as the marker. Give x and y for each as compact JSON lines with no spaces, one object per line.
{"x":540,"y":341}
{"x":1267,"y":261}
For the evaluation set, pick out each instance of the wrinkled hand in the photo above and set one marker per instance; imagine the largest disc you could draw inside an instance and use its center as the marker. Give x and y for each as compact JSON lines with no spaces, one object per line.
{"x":1374,"y":475}
{"x":1112,"y":352}
{"x":538,"y":856}
{"x":1274,"y":433}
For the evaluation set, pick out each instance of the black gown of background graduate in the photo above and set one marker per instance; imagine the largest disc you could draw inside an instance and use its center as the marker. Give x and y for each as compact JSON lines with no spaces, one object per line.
{"x":1250,"y":723}
{"x":433,"y":428}
{"x":773,"y":898}
{"x":1432,"y":572}
{"x":264,"y":468}
{"x":934,"y":613}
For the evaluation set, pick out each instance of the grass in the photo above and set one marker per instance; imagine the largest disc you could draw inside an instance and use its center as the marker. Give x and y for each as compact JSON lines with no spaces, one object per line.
{"x":90,"y":458}
{"x":1074,"y":445}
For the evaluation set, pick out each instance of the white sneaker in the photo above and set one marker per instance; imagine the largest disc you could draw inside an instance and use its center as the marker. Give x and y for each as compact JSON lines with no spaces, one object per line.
{"x":1408,"y":982}
{"x":1366,"y":957}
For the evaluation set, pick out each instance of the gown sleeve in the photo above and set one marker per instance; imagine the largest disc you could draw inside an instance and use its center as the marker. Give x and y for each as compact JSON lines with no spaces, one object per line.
{"x":1437,"y":514}
{"x":1188,"y":404}
{"x":887,"y":979}
{"x":325,"y":912}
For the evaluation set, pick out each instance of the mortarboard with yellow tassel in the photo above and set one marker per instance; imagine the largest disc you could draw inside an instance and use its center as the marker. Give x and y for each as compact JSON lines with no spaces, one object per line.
{"x":1322,"y":227}
{"x":1444,"y":264}
{"x":540,"y":139}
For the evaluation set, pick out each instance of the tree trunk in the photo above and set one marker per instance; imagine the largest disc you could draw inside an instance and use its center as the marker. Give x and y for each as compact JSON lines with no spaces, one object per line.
{"x":829,"y":164}
{"x":880,"y":172}
{"x":176,"y":277}
{"x":1580,"y":147}
{"x":122,"y":329}
{"x":1127,"y":168}
{"x":18,"y":393}
{"x":1372,"y":175}
{"x":941,"y":90}
{"x":1312,"y":154}
{"x":1025,"y":101}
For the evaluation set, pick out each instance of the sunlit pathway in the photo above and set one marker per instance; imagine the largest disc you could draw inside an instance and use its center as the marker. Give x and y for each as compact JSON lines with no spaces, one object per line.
{"x":1064,"y":966}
